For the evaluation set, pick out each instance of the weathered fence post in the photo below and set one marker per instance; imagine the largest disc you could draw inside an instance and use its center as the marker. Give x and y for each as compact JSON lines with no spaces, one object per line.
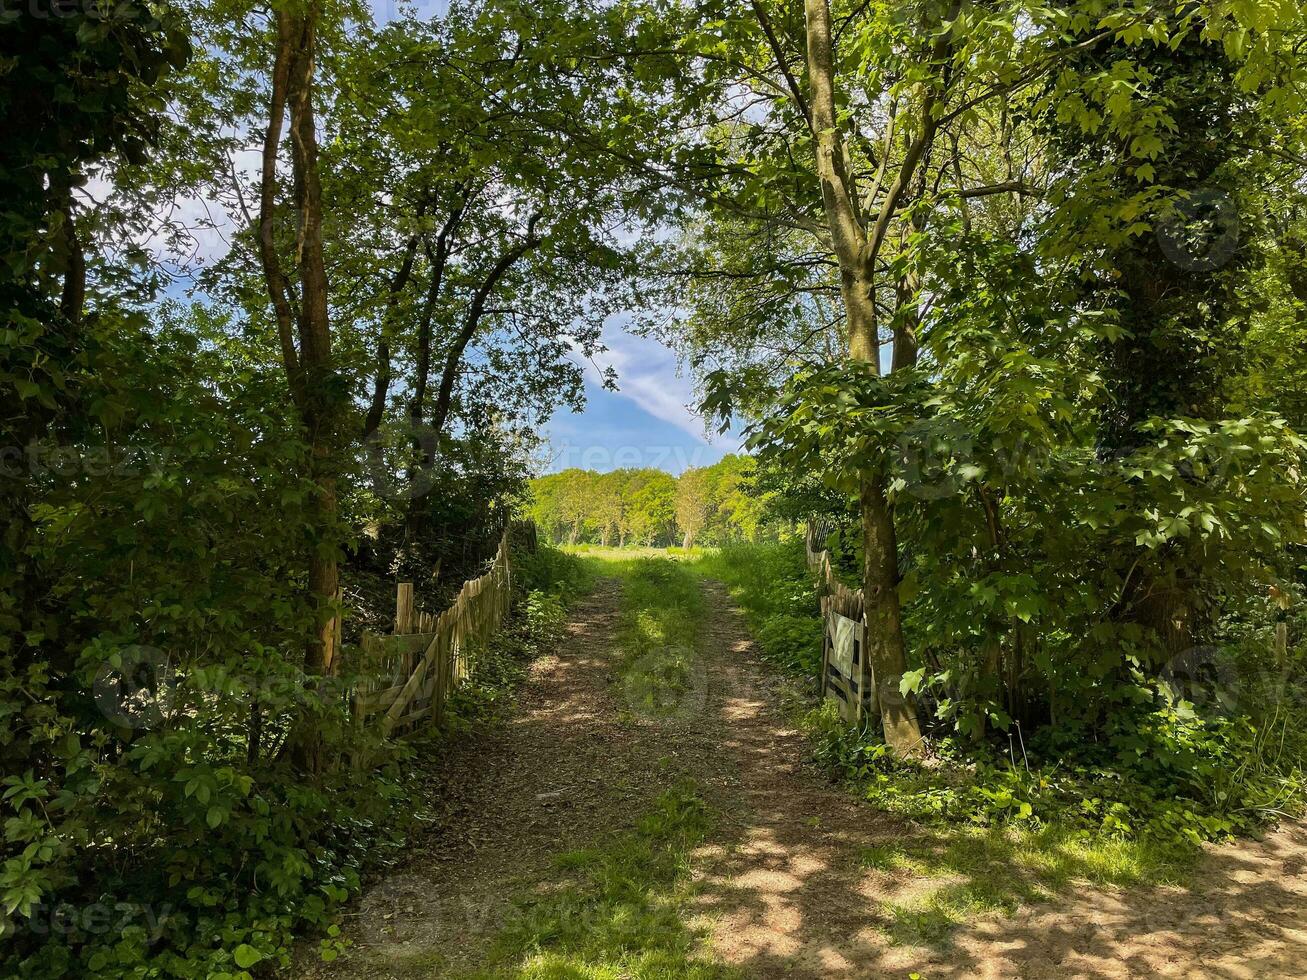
{"x":404,"y":608}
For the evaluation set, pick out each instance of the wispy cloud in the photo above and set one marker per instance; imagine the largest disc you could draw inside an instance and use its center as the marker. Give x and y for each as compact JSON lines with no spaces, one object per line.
{"x":648,"y":375}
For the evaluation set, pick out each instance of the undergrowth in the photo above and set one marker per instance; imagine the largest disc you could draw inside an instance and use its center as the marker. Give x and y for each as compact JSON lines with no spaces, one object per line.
{"x":1018,"y":818}
{"x":253,"y":860}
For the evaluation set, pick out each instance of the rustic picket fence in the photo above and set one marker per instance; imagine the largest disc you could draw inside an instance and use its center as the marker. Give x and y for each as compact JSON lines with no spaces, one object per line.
{"x":410,"y":674}
{"x":846,"y":676}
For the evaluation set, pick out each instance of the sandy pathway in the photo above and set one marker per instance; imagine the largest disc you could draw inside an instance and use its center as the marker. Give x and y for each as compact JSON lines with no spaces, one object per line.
{"x":781,"y":887}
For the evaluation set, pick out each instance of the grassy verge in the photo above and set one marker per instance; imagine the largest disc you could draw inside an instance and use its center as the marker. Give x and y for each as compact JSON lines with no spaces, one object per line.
{"x":978,"y":871}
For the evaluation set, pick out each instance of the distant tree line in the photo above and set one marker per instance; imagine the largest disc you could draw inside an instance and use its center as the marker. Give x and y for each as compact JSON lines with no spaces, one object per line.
{"x":707,"y":505}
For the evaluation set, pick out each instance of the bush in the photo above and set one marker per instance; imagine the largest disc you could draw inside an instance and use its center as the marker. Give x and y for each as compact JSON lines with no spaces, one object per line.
{"x":792,"y":643}
{"x":551,"y":570}
{"x":1173,"y":780}
{"x":177,"y":850}
{"x":1160,"y":771}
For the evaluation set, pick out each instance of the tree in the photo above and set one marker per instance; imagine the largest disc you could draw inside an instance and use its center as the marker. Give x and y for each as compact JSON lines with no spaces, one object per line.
{"x":502,"y":144}
{"x":921,"y":127}
{"x":300,"y":306}
{"x":576,"y":502}
{"x":653,"y":509}
{"x":692,"y":502}
{"x":819,"y":172}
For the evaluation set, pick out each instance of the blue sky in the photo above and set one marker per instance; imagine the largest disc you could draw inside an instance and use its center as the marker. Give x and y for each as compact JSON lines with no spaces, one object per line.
{"x":648,"y":421}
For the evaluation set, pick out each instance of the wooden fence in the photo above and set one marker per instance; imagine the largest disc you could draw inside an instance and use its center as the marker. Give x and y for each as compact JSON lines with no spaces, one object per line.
{"x":846,"y":675}
{"x":411,"y":673}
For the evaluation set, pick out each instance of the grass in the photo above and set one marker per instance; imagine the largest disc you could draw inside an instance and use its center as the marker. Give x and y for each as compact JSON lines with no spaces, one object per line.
{"x":978,"y":872}
{"x":618,"y":910}
{"x":658,"y":667}
{"x":604,"y":553}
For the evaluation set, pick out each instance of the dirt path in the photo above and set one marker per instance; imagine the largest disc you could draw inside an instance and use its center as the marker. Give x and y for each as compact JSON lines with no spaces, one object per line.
{"x":781,"y":889}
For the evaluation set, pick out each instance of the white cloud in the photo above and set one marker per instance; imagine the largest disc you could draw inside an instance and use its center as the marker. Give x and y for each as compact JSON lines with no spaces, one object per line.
{"x":649,"y":376}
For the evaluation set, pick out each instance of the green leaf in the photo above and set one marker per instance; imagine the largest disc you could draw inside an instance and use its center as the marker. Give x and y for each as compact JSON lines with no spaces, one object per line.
{"x":246,"y":956}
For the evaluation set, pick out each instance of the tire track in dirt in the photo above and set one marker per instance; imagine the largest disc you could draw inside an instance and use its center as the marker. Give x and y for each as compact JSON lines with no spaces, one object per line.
{"x":780,"y":887}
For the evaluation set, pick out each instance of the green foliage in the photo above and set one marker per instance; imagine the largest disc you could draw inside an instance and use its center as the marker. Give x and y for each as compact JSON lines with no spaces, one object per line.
{"x":550,"y":572}
{"x":1093,"y":448}
{"x":1165,"y":779}
{"x":1161,"y":774}
{"x":711,"y":505}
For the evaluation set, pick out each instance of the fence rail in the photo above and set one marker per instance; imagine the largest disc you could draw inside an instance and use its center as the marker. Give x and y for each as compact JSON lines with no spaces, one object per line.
{"x":411,"y":673}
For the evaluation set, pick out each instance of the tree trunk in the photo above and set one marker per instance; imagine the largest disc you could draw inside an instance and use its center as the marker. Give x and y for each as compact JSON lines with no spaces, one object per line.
{"x":304,"y":333}
{"x":321,"y":404}
{"x":885,"y":647}
{"x":856,"y":251}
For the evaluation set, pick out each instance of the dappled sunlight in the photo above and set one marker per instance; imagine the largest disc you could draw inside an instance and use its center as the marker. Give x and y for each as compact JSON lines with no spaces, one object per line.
{"x":570,"y":863}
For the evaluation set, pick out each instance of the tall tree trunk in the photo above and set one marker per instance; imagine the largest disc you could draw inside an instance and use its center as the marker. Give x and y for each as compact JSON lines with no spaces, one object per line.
{"x":856,"y":253}
{"x":304,"y":328}
{"x":322,"y":410}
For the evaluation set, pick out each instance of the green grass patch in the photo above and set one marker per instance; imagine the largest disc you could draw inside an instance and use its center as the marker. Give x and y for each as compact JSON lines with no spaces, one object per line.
{"x":658,"y":669}
{"x":974,"y":872}
{"x":619,"y":909}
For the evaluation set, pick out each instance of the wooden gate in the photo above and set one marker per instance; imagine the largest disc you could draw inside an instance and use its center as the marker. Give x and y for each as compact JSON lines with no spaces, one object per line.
{"x":846,"y":675}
